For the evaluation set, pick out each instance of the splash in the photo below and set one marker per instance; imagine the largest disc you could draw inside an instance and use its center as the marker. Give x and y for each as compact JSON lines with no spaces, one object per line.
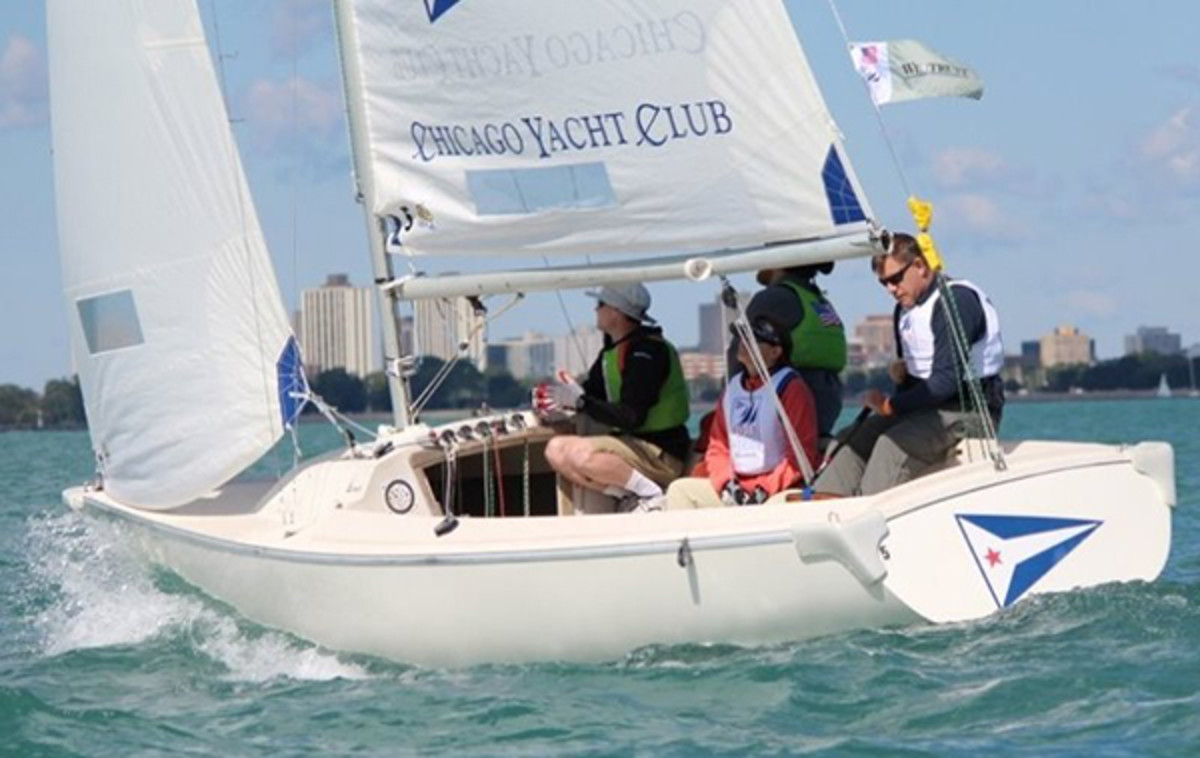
{"x":101,"y":593}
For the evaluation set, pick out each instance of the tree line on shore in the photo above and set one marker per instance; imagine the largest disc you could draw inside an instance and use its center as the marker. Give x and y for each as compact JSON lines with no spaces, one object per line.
{"x":60,"y":404}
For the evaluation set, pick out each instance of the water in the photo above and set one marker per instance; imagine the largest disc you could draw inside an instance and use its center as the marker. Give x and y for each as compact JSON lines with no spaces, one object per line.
{"x":101,"y":656}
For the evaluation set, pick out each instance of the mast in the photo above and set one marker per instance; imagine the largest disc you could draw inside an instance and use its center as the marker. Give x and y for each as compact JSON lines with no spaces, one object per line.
{"x":381,"y":263}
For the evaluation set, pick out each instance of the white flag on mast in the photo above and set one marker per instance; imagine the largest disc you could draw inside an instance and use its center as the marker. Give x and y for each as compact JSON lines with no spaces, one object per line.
{"x":906,"y":69}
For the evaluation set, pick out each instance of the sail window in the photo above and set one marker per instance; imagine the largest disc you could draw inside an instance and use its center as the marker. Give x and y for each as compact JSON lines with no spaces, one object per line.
{"x":506,"y":192}
{"x":110,"y":322}
{"x":843,"y":203}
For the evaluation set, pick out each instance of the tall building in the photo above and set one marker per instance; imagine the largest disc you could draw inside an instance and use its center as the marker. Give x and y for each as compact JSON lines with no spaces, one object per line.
{"x":530,"y":356}
{"x":575,"y":351}
{"x":337,"y":327}
{"x":1067,"y":346}
{"x":441,"y":326}
{"x":877,"y":339}
{"x":712,"y":321}
{"x":1153,"y":339}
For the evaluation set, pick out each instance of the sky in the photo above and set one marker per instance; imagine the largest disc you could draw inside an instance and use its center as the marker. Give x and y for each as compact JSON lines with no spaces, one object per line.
{"x":1069,"y":192}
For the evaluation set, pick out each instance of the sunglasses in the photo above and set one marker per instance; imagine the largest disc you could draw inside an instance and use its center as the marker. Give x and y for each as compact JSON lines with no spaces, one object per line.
{"x":895,"y":279}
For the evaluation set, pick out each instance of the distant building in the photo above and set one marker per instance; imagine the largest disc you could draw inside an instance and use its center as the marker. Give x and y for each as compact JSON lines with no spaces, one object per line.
{"x":528,"y":357}
{"x":1066,"y":346}
{"x":715,"y":319}
{"x":695,"y":364}
{"x":1031,"y":354}
{"x":337,"y":327}
{"x":575,"y":351}
{"x":442,"y":326}
{"x":875,"y":342}
{"x":1153,"y":339}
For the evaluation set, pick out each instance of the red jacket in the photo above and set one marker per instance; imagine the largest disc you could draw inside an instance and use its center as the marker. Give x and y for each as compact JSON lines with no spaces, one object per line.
{"x":801,"y":410}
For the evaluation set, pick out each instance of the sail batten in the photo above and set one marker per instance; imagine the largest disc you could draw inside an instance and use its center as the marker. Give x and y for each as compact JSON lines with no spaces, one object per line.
{"x":178,"y":329}
{"x":628,"y":126}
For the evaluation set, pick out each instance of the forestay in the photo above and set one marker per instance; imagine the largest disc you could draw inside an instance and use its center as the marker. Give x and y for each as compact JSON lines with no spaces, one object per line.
{"x":622,"y":126}
{"x":179,"y":335}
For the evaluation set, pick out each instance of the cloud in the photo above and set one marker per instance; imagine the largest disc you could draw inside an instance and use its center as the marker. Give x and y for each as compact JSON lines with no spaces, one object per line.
{"x":1156,"y":177}
{"x":1172,"y":149}
{"x":958,"y":167}
{"x":22,"y":84}
{"x":299,"y":25}
{"x":983,"y":216}
{"x":295,"y":109}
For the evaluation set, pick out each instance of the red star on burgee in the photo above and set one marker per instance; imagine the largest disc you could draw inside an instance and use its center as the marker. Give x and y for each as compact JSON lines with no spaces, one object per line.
{"x":992,"y":557}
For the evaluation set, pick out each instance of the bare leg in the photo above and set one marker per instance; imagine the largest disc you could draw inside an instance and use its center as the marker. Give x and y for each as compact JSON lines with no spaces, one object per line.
{"x":574,"y":458}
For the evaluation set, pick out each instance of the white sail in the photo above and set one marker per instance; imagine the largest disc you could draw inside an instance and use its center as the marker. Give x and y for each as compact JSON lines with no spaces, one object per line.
{"x":623,"y":126}
{"x":179,"y":335}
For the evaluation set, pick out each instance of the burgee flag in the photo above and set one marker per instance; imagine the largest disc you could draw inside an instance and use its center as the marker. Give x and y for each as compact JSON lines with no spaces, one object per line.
{"x":905,"y":69}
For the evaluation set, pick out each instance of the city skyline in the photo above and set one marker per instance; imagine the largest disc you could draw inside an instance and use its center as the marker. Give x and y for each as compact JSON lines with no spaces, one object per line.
{"x":1066,"y":195}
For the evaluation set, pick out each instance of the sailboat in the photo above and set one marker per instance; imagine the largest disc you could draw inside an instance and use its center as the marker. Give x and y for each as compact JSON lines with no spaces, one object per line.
{"x":669,"y":139}
{"x":1164,"y":389}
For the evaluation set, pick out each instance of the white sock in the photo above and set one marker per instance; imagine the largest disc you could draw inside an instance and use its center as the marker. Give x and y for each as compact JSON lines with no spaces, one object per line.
{"x":642,"y":486}
{"x":614,"y":491}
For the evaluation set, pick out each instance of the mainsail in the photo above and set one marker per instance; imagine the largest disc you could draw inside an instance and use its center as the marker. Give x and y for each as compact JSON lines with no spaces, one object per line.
{"x":622,"y":126}
{"x":180,"y":337}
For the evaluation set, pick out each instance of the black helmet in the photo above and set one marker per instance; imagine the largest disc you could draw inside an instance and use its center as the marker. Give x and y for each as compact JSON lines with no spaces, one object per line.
{"x":766,"y":330}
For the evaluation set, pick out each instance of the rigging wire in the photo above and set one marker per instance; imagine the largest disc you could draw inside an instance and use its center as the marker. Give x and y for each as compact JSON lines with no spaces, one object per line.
{"x":746,"y":336}
{"x":962,"y":348}
{"x":266,"y":370}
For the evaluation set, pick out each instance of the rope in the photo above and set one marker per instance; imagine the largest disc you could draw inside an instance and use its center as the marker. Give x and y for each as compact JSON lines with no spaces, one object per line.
{"x":562,"y":306}
{"x":487,"y":475}
{"x":922,"y":215}
{"x":525,"y":477}
{"x":499,"y":478}
{"x":746,"y":335}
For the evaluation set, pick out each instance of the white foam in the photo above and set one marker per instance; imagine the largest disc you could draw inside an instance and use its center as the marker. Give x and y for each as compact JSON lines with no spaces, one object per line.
{"x":105,"y":596}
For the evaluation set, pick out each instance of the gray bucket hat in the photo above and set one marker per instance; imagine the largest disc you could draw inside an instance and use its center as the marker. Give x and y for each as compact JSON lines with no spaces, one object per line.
{"x":631,"y":299}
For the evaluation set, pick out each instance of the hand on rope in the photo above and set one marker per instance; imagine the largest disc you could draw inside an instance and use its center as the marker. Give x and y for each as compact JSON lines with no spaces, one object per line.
{"x":566,"y":396}
{"x":878,"y":402}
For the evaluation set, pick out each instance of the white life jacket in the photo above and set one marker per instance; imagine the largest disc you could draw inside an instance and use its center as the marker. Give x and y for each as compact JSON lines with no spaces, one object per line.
{"x":757,"y":440}
{"x":916,"y":336}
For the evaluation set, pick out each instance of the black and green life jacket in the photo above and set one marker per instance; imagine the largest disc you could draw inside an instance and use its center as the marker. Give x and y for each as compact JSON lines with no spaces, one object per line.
{"x":819,"y":340}
{"x":672,"y":409}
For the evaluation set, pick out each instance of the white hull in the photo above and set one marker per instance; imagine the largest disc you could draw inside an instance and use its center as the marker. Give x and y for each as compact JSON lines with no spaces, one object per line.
{"x":322,"y":556}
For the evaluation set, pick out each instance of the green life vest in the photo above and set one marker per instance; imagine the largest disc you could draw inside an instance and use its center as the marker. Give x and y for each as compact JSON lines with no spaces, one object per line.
{"x":817,"y":342}
{"x":671,"y":410}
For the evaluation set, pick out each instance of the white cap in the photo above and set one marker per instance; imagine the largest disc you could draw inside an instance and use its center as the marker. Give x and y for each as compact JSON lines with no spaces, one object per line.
{"x":631,"y":299}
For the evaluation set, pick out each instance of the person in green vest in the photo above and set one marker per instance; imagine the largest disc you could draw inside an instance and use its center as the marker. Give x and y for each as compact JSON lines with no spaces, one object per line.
{"x":636,"y":388}
{"x":818,"y":337}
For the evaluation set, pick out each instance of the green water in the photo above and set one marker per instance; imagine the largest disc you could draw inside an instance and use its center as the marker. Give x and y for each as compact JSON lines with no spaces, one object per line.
{"x":100,"y":656}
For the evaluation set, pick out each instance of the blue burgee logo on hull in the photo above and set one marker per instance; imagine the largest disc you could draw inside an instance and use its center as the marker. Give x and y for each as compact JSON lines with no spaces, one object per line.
{"x":293,"y":388}
{"x":843,"y":203}
{"x":435,"y":8}
{"x":1014,"y":552}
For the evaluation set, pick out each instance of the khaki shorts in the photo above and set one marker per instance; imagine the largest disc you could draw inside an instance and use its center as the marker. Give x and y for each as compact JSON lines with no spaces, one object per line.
{"x":644,"y":456}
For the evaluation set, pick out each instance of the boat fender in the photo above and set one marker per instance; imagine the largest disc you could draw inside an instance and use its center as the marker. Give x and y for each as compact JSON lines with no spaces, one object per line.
{"x":1157,"y":461}
{"x":856,"y":544}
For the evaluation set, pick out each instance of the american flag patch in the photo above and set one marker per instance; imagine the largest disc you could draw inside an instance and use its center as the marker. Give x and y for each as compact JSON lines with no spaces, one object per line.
{"x":827,"y":314}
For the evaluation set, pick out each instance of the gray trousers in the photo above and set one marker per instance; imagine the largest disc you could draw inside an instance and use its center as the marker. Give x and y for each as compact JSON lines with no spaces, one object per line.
{"x":891,"y":450}
{"x":826,"y":387}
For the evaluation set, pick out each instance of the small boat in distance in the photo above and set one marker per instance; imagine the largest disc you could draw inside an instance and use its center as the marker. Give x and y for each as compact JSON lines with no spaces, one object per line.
{"x":1164,"y":389}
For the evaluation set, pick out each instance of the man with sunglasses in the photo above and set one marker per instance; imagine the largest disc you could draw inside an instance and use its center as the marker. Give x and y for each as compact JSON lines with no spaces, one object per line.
{"x":917,"y":426}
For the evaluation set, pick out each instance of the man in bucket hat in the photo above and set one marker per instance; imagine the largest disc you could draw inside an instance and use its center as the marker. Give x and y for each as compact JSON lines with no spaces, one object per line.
{"x":636,"y":388}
